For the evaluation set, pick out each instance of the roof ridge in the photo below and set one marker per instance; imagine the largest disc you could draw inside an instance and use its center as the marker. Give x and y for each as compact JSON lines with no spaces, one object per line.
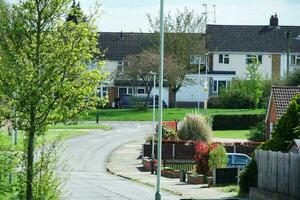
{"x":287,"y":87}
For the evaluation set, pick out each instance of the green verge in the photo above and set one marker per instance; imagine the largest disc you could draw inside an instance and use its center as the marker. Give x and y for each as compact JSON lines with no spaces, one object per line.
{"x":231,"y":134}
{"x":170,"y":114}
{"x":55,"y":133}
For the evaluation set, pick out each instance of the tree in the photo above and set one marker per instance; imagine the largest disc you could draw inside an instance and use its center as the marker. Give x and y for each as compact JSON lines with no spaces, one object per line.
{"x":254,"y":82}
{"x":43,"y":64}
{"x":183,"y":39}
{"x":140,"y":67}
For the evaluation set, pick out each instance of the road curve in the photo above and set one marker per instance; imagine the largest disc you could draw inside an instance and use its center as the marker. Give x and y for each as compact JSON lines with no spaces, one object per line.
{"x":87,"y":156}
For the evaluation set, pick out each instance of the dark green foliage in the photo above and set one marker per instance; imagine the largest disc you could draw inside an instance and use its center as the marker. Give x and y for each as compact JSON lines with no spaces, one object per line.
{"x":236,"y":122}
{"x":236,"y":100}
{"x":248,"y":177}
{"x":293,"y":79}
{"x":257,"y":132}
{"x":168,"y":133}
{"x":214,"y":102}
{"x":286,"y":129}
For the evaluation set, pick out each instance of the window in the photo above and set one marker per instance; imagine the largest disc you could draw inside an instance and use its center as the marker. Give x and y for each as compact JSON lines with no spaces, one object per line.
{"x":141,"y":91}
{"x":129,"y":90}
{"x":224,"y":58}
{"x":219,"y":84}
{"x":125,"y":91}
{"x":102,"y":91}
{"x":121,"y":66}
{"x":195,"y":59}
{"x":295,"y":60}
{"x":253,"y":59}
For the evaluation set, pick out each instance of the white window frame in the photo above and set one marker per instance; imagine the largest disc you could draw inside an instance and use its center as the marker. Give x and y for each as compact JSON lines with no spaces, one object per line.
{"x":195,"y":59}
{"x":103,"y":92}
{"x":127,"y":90}
{"x":217,"y":91}
{"x":140,"y":88}
{"x":295,"y":59}
{"x":224,"y":56}
{"x":250,"y":57}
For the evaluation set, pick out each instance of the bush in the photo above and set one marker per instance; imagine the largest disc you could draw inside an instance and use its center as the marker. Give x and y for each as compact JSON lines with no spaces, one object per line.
{"x":293,"y":79}
{"x":236,"y":122}
{"x":214,"y":102}
{"x":248,"y":177}
{"x":218,"y":158}
{"x":168,"y":133}
{"x":257,"y":133}
{"x":195,"y":127}
{"x":235,"y":100}
{"x":201,"y":157}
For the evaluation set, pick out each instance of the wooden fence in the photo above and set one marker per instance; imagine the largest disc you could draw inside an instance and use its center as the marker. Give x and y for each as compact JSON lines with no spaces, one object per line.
{"x":279,"y":172}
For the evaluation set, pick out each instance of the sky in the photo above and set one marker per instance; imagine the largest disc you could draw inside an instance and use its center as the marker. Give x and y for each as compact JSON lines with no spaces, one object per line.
{"x":130,"y":15}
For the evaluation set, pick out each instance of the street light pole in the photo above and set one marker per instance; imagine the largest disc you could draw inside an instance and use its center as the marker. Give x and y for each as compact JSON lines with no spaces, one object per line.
{"x":161,"y":75}
{"x":199,"y":80}
{"x":153,"y":123}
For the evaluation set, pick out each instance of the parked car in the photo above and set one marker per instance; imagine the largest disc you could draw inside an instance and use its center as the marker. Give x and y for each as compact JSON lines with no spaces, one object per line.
{"x":238,"y":160}
{"x":131,"y":101}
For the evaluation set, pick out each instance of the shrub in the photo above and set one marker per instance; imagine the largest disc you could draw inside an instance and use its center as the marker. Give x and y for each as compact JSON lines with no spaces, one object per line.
{"x":214,"y":102}
{"x":218,"y":158}
{"x":248,"y":177}
{"x":234,"y":100}
{"x":201,"y":157}
{"x":257,"y":133}
{"x":168,"y":133}
{"x":195,"y":127}
{"x":236,"y":122}
{"x":293,"y":79}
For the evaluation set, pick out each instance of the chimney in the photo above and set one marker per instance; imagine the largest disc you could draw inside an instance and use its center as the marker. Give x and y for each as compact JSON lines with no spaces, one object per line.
{"x":122,"y":35}
{"x":275,"y":20}
{"x":272,"y":20}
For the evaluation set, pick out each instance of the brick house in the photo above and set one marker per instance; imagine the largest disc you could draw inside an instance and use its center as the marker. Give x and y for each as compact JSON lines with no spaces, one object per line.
{"x":279,"y":100}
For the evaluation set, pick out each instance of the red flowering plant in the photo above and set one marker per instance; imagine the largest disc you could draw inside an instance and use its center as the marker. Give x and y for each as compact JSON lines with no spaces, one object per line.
{"x":201,"y":157}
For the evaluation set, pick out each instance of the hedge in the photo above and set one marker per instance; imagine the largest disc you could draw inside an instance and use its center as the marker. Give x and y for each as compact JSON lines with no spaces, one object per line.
{"x":236,"y":122}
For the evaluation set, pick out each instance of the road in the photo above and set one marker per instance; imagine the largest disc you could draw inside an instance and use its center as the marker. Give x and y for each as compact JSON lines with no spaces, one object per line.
{"x":87,"y":157}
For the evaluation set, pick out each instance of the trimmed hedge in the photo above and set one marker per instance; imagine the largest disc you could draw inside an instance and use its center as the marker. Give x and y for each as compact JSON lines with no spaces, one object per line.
{"x":236,"y":122}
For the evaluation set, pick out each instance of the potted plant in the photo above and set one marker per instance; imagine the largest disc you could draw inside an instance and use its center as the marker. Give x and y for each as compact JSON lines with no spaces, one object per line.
{"x":195,"y":178}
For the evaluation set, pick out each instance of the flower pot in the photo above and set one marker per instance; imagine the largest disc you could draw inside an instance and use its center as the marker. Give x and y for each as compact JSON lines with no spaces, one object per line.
{"x":195,"y":179}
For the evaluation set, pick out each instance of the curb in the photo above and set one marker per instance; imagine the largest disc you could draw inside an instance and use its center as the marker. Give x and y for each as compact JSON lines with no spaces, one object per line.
{"x":131,"y":179}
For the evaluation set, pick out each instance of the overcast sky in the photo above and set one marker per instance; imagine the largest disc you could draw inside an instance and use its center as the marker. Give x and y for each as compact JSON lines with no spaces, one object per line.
{"x":130,"y":15}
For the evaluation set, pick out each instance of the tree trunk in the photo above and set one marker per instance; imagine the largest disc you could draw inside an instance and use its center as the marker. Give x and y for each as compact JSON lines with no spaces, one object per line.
{"x":172,"y":98}
{"x":30,"y":158}
{"x":147,"y":100}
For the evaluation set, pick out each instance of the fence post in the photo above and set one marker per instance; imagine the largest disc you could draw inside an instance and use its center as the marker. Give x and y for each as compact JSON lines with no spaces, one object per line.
{"x":173,"y":151}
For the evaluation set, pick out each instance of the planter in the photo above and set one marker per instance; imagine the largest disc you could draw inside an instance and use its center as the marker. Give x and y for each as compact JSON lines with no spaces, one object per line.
{"x":210,"y":181}
{"x":170,"y":173}
{"x":147,"y":163}
{"x":195,"y":179}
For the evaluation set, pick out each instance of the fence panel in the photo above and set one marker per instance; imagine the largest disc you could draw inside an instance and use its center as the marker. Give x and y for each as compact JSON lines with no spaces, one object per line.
{"x":279,"y":172}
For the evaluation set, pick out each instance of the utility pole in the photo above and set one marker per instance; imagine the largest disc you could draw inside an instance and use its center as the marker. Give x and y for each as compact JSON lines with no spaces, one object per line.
{"x":160,"y":116}
{"x":288,"y":38}
{"x":215,"y":19}
{"x":205,"y":13}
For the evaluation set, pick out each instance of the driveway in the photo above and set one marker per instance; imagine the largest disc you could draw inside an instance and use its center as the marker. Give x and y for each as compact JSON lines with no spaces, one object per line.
{"x":87,"y":157}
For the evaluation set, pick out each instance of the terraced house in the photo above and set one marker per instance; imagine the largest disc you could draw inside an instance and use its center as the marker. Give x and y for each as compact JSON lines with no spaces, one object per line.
{"x":230,"y":48}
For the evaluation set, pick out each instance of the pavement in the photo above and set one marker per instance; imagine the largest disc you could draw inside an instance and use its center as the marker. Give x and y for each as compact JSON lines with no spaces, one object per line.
{"x":87,"y":157}
{"x":126,"y":162}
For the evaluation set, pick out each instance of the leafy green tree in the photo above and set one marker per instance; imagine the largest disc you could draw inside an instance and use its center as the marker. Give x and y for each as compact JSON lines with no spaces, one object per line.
{"x":183,"y":39}
{"x":254,"y":83}
{"x":44,"y":69}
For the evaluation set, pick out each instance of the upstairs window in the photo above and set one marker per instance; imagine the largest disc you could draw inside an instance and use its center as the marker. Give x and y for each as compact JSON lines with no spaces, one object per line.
{"x":121,"y":66}
{"x":253,"y":59}
{"x":224,"y":58}
{"x":295,"y":60}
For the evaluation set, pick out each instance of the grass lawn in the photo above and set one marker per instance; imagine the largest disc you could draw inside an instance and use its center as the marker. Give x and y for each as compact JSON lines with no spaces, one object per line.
{"x":168,"y":114}
{"x":55,"y":133}
{"x":232,"y":134}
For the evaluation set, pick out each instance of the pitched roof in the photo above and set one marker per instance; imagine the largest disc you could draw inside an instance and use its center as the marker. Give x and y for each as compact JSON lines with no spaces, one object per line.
{"x":247,"y":38}
{"x":120,"y":44}
{"x":282,"y":95}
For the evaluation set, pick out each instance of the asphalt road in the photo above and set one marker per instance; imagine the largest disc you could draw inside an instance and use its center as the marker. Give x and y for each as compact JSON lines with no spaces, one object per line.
{"x":87,"y":157}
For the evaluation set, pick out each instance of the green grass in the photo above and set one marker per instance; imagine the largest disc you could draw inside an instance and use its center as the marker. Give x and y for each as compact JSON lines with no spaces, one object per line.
{"x":232,"y":134}
{"x":55,"y":133}
{"x":168,"y":114}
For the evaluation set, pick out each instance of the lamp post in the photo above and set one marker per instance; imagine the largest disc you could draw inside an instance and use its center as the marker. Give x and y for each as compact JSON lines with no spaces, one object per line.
{"x":161,"y":71}
{"x":199,"y":80}
{"x":206,"y":83}
{"x":153,"y":121}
